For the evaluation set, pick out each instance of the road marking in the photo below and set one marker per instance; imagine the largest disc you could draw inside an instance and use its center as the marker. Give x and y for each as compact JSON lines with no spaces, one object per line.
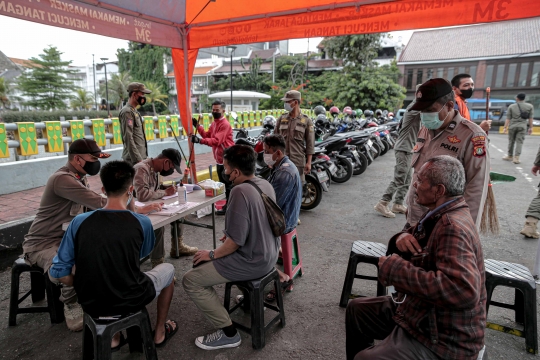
{"x":500,"y":150}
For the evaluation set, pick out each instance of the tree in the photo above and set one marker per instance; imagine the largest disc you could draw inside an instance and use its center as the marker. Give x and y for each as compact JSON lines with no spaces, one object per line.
{"x":4,"y":93}
{"x":48,"y":83}
{"x":82,"y":100}
{"x":155,"y":96}
{"x":117,"y":85}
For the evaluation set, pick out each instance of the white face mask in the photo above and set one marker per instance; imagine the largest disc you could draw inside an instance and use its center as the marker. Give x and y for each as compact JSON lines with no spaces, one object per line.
{"x":288,"y":107}
{"x":268,"y":159}
{"x":130,"y":198}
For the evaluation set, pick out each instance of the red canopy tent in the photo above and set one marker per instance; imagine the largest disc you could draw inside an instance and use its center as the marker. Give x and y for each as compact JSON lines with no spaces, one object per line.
{"x":186,"y":26}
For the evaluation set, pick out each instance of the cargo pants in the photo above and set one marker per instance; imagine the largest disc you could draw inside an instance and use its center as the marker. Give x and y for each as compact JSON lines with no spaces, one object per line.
{"x":516,"y":137}
{"x":402,"y":178}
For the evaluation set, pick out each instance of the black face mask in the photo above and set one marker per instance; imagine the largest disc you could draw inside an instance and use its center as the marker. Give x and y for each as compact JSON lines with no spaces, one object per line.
{"x":216,"y":115}
{"x":466,"y":94}
{"x":141,"y":100}
{"x":166,"y":173}
{"x":227,"y":177}
{"x":92,"y":168}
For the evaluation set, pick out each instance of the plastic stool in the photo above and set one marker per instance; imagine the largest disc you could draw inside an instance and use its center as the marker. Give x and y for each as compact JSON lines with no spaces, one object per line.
{"x":292,"y":259}
{"x":40,"y":285}
{"x":98,"y":333}
{"x":520,"y":278}
{"x":362,"y":252}
{"x":255,"y":288}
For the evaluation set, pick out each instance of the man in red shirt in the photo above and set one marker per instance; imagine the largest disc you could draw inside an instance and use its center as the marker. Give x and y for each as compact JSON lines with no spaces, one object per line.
{"x":463,"y":86}
{"x":219,"y":137}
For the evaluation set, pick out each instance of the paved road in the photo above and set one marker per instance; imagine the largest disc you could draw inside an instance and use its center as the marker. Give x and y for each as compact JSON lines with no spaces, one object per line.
{"x":315,"y":322}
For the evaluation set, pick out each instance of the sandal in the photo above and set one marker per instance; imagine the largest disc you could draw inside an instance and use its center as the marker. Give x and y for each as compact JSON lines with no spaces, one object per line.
{"x":123,"y":341}
{"x":169,"y":333}
{"x":271,"y":296}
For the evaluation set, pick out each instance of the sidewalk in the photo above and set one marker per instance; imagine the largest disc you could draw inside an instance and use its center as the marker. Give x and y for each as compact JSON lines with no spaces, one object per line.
{"x":23,"y":204}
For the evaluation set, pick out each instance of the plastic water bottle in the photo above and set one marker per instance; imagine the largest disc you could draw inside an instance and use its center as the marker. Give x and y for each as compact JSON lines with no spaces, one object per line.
{"x":182,"y":194}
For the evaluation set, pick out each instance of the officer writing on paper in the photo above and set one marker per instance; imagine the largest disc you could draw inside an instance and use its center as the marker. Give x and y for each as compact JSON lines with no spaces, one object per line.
{"x":147,"y":188}
{"x":132,"y":125}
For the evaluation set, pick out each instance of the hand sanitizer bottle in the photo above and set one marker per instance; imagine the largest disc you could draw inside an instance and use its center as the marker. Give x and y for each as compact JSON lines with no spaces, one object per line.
{"x":182,"y":194}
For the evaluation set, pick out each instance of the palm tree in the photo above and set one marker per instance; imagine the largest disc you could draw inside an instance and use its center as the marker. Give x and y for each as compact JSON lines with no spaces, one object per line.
{"x":82,"y":100}
{"x":117,"y":84}
{"x":155,"y":96}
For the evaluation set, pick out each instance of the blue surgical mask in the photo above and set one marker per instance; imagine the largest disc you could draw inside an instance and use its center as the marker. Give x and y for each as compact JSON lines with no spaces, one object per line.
{"x":431,"y":119}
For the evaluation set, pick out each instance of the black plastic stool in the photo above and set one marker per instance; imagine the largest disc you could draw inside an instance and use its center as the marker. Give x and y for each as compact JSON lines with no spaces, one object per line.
{"x":40,"y":285}
{"x":362,"y":252}
{"x":255,"y":288}
{"x":520,"y":278}
{"x":98,"y":334}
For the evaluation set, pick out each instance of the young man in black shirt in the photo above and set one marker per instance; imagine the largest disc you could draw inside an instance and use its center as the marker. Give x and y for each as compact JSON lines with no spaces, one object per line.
{"x":106,"y":246}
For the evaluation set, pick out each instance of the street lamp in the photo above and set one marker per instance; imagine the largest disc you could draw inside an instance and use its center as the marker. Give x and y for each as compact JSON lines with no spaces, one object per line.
{"x":94,"y":79}
{"x":231,"y":49}
{"x":106,"y":86}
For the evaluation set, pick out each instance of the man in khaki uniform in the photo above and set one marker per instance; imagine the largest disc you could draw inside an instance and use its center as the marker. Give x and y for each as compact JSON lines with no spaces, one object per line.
{"x":445,"y":132}
{"x":65,"y":196}
{"x":147,"y":188}
{"x":297,"y":129}
{"x":132,"y":125}
{"x":516,"y":126}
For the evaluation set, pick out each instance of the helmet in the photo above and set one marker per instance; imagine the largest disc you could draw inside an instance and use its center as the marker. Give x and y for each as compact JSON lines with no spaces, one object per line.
{"x":378,"y":112}
{"x":354,"y":113}
{"x":347,"y":110}
{"x":391,"y":114}
{"x":269,"y":122}
{"x":385,"y":112}
{"x":368,"y":113}
{"x":334,"y":110}
{"x":321,"y":119}
{"x":359,"y":112}
{"x":319,"y":109}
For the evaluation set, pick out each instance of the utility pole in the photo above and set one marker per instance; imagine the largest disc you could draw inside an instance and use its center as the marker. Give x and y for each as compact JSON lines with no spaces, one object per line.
{"x":231,"y":48}
{"x":94,"y":79}
{"x":106,"y":87}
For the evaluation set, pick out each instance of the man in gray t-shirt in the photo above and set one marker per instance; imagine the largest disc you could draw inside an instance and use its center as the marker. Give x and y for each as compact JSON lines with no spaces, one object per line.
{"x":402,"y":171}
{"x":249,"y":250}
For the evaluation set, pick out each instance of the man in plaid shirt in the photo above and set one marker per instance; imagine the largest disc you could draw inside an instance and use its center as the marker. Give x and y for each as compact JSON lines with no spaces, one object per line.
{"x":437,"y":269}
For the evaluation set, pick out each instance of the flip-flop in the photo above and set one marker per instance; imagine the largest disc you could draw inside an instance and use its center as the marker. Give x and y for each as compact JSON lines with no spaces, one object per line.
{"x":271,"y":296}
{"x":123,"y":341}
{"x":169,"y":333}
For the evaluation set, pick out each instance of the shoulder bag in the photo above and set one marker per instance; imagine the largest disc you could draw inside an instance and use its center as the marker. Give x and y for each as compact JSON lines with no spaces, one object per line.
{"x":275,"y":215}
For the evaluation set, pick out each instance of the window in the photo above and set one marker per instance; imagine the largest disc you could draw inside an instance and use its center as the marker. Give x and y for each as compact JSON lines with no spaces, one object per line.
{"x":461,"y":70}
{"x":535,"y":74}
{"x":523,"y":72}
{"x":440,"y":72}
{"x":472,"y":72}
{"x":429,"y":74}
{"x":409,"y":79}
{"x":450,"y":73}
{"x":499,"y":75}
{"x":419,"y":76}
{"x":511,"y":77}
{"x":489,"y":76}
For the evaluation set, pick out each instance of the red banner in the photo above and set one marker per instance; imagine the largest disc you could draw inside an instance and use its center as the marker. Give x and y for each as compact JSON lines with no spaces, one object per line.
{"x":92,"y":19}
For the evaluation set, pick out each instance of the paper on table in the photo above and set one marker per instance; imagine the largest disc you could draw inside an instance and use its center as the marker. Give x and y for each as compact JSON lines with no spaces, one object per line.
{"x":170,"y":196}
{"x":138,"y":203}
{"x":170,"y":210}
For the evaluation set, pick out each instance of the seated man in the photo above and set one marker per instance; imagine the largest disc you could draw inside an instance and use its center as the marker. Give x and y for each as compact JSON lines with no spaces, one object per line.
{"x":106,"y":246}
{"x":437,"y":269}
{"x":65,"y":196}
{"x":249,"y":250}
{"x":147,"y":188}
{"x":286,"y":182}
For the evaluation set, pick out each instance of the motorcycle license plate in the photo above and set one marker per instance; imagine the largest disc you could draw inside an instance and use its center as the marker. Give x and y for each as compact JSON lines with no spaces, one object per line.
{"x":333,"y":169}
{"x":355,"y":153}
{"x":370,"y":143}
{"x":323,"y":176}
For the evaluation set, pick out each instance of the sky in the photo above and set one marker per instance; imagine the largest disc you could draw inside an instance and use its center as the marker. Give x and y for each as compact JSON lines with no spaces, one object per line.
{"x":31,"y":38}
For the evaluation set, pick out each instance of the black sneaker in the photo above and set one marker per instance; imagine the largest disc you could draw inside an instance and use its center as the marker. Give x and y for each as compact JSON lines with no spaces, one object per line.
{"x":222,"y":211}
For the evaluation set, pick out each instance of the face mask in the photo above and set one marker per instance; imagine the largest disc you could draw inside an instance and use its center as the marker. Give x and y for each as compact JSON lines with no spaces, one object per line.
{"x":92,"y":168}
{"x":130,"y":198}
{"x":141,"y":100}
{"x":288,"y":107}
{"x":268,"y":159}
{"x":166,"y":173}
{"x":216,"y":115}
{"x":466,"y":94}
{"x":227,"y":177}
{"x":431,"y":119}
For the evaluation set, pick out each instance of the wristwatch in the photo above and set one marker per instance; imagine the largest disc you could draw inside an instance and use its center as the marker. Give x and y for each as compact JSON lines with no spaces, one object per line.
{"x":211,"y":254}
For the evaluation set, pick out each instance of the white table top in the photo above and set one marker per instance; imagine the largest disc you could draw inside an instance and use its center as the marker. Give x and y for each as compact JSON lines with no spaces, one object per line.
{"x":197,"y":196}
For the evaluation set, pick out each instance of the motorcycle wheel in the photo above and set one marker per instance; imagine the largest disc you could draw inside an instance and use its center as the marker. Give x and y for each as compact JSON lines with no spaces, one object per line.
{"x":312,"y":194}
{"x":369,"y":161}
{"x":386,"y":147}
{"x":377,"y":148}
{"x":345,"y":171}
{"x":360,"y":168}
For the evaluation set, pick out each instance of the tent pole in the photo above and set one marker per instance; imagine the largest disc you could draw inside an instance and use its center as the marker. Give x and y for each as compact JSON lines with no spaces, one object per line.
{"x":187,"y":85}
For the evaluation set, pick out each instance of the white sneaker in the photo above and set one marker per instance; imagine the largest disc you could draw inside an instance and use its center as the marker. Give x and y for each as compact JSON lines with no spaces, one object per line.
{"x":382,"y":208}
